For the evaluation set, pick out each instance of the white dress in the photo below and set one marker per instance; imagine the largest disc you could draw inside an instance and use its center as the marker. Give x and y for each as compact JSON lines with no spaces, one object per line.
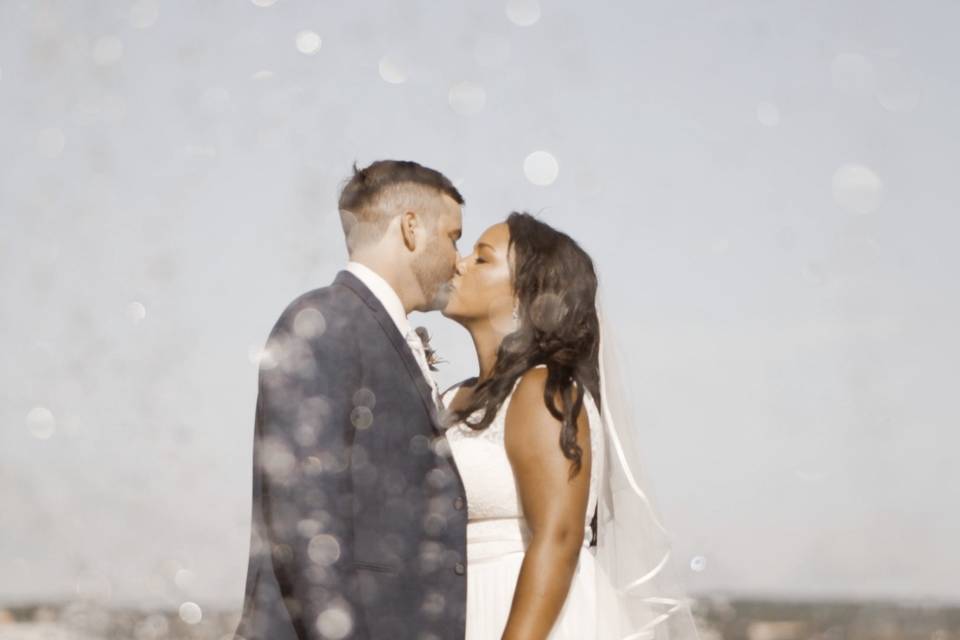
{"x":497,"y":533}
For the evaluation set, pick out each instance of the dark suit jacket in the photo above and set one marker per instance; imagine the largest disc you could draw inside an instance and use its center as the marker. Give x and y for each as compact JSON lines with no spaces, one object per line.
{"x":359,"y":512}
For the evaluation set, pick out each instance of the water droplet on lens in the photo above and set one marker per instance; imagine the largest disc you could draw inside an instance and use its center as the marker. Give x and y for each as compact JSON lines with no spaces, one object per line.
{"x":136,"y":312}
{"x":190,"y":612}
{"x":184,"y":578}
{"x":768,"y":114}
{"x":361,"y":417}
{"x":309,"y":323}
{"x":308,"y":42}
{"x":335,"y":622}
{"x":323,"y":549}
{"x":365,"y":398}
{"x":391,"y":71}
{"x":467,"y":98}
{"x":41,"y":423}
{"x":541,"y":168}
{"x":698,"y":563}
{"x":523,"y":13}
{"x":857,"y":188}
{"x":144,"y":14}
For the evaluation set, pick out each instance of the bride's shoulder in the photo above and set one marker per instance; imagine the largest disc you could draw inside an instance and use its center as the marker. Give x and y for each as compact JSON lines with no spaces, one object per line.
{"x":527,"y":394}
{"x":527,"y":398}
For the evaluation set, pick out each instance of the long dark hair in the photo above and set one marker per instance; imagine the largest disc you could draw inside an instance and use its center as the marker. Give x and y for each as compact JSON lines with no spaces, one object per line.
{"x":556,"y":287}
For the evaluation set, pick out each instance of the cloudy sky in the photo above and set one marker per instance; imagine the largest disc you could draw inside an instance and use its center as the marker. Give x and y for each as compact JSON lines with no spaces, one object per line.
{"x":768,"y":189}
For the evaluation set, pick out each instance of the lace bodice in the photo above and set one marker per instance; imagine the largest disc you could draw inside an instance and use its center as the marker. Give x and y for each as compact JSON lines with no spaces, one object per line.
{"x":488,"y":479}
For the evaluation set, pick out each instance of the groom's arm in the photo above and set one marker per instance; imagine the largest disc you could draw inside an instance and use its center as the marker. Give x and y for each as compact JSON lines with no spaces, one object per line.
{"x":303,"y":492}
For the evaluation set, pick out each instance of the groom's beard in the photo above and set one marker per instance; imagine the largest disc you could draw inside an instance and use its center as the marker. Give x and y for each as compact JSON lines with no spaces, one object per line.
{"x":439,"y":302}
{"x":433,"y":277}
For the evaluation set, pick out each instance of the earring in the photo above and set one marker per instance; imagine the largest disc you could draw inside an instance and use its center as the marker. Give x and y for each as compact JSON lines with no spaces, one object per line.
{"x":516,"y":312}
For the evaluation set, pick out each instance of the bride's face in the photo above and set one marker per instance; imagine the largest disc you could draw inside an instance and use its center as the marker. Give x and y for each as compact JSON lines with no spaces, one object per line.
{"x":482,"y":288}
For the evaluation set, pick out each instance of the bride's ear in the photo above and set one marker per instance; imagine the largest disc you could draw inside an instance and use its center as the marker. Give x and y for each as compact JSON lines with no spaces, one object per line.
{"x":408,"y":229}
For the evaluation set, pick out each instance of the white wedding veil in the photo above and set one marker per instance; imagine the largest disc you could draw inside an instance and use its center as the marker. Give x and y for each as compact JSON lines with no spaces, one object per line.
{"x":637,"y":596}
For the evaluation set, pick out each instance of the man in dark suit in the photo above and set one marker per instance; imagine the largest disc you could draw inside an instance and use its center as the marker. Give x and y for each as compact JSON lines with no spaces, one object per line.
{"x":359,"y":513}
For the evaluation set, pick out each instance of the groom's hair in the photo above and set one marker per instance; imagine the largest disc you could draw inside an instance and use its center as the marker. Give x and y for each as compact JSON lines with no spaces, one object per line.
{"x":361,"y":215}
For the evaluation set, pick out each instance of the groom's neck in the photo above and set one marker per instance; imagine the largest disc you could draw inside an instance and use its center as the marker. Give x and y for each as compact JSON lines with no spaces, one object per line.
{"x":398,"y":278}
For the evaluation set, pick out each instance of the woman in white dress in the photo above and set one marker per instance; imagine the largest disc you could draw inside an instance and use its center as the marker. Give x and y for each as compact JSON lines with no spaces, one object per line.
{"x":563,"y":541}
{"x":526,"y":434}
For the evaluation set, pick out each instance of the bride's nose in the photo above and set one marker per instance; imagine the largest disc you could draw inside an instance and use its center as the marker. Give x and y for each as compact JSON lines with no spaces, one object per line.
{"x":461,"y":263}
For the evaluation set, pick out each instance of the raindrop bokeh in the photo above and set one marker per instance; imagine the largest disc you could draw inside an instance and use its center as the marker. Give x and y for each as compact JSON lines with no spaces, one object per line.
{"x":41,"y":423}
{"x":190,"y":612}
{"x":523,"y":13}
{"x":391,"y":71}
{"x":857,"y":188}
{"x":308,"y":42}
{"x":541,"y":168}
{"x":768,"y":114}
{"x":467,"y":98}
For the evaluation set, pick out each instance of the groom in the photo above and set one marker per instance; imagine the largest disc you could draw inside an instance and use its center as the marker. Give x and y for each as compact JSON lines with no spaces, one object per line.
{"x":359,"y":512}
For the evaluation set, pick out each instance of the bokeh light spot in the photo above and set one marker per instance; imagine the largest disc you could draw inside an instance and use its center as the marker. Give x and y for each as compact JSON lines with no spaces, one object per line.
{"x":41,"y":423}
{"x":523,"y":13}
{"x":136,"y":312}
{"x":541,"y":168}
{"x":768,"y":114}
{"x":467,"y":98}
{"x":190,"y":612}
{"x":391,"y":71}
{"x":857,"y":188}
{"x":308,"y":42}
{"x":335,"y":622}
{"x":144,"y":14}
{"x":309,"y":323}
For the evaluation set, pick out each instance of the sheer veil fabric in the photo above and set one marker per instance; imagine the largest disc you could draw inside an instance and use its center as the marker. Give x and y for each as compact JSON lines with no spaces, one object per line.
{"x":638,"y":597}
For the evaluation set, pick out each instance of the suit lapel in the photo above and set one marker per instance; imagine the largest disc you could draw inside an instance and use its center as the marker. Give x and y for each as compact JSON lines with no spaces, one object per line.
{"x":399,"y":343}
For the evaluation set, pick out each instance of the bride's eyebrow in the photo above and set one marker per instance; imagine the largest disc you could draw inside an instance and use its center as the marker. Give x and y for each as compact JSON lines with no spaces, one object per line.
{"x":488,"y":246}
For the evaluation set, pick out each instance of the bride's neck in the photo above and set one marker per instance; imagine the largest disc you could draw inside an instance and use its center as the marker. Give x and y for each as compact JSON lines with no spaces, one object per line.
{"x":486,"y":341}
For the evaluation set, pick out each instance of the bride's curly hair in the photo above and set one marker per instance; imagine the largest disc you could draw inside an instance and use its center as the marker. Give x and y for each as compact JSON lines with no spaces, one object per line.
{"x":556,"y":286}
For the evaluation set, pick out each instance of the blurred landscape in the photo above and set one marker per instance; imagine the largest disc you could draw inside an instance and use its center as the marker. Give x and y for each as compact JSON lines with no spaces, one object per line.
{"x":718,"y":618}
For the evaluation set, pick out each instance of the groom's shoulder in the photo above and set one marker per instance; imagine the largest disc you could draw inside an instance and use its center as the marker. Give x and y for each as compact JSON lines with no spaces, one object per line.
{"x":321,"y":311}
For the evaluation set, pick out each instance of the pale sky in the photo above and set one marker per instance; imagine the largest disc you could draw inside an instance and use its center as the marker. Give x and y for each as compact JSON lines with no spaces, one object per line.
{"x":768,"y":189}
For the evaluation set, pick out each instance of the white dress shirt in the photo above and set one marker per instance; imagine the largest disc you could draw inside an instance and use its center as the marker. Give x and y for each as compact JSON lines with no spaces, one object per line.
{"x":394,"y":306}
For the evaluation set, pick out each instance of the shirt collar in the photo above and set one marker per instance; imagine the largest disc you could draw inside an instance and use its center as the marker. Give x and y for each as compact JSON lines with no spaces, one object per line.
{"x":384,"y":293}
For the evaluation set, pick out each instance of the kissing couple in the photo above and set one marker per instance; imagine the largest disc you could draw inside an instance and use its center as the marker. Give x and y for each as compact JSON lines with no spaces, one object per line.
{"x":508,"y":506}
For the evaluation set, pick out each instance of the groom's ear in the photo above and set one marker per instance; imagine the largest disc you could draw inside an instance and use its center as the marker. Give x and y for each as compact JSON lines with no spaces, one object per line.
{"x":409,"y":221}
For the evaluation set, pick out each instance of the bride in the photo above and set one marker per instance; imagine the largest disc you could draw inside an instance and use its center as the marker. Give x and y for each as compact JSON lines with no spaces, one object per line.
{"x":562,"y":542}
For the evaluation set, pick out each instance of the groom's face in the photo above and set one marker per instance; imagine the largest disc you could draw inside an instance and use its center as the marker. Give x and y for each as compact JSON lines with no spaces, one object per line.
{"x":435,"y":265}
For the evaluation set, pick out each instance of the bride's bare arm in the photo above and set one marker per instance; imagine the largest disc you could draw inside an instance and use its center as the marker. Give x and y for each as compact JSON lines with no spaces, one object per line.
{"x":553,"y":504}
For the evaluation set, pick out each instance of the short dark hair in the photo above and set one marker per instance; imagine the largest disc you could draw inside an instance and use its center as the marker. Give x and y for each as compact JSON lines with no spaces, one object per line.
{"x":362,"y":190}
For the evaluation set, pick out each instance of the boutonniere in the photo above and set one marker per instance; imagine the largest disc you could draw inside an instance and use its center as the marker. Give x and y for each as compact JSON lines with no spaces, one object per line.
{"x":432,"y":358}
